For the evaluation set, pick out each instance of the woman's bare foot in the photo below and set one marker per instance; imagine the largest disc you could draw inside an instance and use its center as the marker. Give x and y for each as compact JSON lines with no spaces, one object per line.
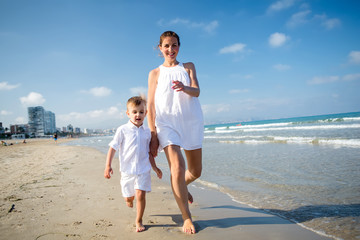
{"x":190,"y":198}
{"x":188,"y":227}
{"x":129,"y":201}
{"x":140,"y":227}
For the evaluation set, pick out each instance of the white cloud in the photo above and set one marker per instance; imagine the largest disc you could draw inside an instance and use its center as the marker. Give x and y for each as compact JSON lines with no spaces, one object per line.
{"x":324,"y":80}
{"x":7,"y":86}
{"x":32,"y":99}
{"x":139,"y":91}
{"x":280,"y":5}
{"x":20,"y":120}
{"x":298,"y":18}
{"x":247,"y":76}
{"x":236,"y":91}
{"x":94,"y":117}
{"x":351,"y":77}
{"x":278,"y":39}
{"x":5,"y":113}
{"x":331,"y":79}
{"x":237,"y":47}
{"x":354,"y":57}
{"x":211,"y":27}
{"x":281,"y":67}
{"x":328,"y":23}
{"x":100,"y":91}
{"x":331,"y":23}
{"x":208,"y":27}
{"x":215,"y":108}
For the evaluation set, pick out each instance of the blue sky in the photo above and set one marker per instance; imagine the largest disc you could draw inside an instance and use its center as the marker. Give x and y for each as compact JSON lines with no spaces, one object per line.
{"x":255,"y":60}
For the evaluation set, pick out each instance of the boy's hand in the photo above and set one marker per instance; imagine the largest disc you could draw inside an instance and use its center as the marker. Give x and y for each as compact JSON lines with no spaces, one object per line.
{"x":108,"y":172}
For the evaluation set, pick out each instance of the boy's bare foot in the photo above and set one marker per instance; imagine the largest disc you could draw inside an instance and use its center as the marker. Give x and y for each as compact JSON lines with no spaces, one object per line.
{"x":140,"y":227}
{"x":188,"y":227}
{"x":190,"y":198}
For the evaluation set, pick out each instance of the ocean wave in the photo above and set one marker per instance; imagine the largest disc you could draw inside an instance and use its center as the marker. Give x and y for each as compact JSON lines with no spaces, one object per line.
{"x":250,"y":125}
{"x":260,"y":125}
{"x":315,"y":127}
{"x":355,"y":143}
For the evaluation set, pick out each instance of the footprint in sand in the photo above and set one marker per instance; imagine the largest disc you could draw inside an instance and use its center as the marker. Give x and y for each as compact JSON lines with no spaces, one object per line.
{"x":55,"y":236}
{"x":103,"y":223}
{"x":97,"y":237}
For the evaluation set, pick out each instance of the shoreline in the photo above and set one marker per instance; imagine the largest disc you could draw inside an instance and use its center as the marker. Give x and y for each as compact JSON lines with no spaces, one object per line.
{"x":57,"y":191}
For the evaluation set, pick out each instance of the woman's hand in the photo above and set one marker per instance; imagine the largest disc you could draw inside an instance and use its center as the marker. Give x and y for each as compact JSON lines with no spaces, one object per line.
{"x":154,"y":145}
{"x":177,"y":86}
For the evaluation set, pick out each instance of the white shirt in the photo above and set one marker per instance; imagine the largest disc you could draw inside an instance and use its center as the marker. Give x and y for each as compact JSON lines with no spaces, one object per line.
{"x":132,"y":142}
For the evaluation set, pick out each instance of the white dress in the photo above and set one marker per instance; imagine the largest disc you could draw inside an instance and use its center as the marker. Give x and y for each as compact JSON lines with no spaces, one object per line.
{"x":179,"y":119}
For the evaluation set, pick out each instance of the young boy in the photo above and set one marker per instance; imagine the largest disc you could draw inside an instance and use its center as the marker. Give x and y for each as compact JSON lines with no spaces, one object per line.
{"x":132,"y":140}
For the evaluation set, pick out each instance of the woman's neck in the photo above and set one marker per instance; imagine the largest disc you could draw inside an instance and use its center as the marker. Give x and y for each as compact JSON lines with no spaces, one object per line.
{"x":170,"y":63}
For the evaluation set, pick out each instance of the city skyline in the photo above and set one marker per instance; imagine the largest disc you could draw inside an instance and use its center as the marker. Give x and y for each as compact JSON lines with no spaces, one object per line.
{"x":254,"y":60}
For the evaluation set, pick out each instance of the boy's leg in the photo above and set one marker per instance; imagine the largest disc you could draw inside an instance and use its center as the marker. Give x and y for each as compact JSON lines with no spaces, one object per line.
{"x":140,"y":208}
{"x":127,"y":188}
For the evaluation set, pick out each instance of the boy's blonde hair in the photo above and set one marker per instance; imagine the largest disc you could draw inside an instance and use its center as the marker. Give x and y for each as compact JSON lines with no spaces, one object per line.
{"x":136,"y":101}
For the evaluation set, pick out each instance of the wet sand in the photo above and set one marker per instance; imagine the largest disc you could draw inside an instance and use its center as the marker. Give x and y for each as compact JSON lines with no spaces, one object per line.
{"x":50,"y":191}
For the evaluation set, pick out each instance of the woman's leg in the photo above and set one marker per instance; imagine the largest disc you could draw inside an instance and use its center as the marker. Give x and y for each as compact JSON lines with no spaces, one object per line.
{"x":177,"y":169}
{"x":194,"y":164}
{"x":129,"y":201}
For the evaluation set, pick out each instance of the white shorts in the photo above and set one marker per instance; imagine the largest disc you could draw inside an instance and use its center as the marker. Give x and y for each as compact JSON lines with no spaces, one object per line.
{"x":131,"y":182}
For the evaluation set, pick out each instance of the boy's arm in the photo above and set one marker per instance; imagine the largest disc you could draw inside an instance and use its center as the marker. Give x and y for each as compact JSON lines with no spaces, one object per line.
{"x":109,"y":158}
{"x":154,"y":167}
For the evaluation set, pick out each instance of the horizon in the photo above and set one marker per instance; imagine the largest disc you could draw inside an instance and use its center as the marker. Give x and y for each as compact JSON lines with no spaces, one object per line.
{"x":267,"y":60}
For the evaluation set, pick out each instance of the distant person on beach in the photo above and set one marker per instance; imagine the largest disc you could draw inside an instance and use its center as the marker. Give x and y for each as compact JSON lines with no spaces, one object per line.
{"x":55,"y":137}
{"x":176,"y":121}
{"x":132,"y":140}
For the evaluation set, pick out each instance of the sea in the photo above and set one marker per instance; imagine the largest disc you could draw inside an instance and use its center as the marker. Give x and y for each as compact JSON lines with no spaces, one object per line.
{"x":304,"y":169}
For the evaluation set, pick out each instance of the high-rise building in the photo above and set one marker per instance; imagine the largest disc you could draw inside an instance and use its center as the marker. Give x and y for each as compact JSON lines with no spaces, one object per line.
{"x":70,"y":128}
{"x":41,"y":122}
{"x":50,"y":125}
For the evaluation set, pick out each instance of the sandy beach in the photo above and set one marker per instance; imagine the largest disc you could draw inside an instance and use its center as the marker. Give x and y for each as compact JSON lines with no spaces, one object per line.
{"x":51,"y":191}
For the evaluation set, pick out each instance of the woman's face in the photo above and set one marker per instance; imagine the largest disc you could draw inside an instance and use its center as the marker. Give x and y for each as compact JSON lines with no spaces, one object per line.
{"x":170,"y":48}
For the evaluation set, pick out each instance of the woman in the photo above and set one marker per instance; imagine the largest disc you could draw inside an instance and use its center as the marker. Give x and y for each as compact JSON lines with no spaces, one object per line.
{"x":176,"y":121}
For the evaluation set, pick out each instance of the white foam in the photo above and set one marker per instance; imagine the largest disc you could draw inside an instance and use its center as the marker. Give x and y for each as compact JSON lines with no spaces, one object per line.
{"x":354,"y":143}
{"x":261,"y":125}
{"x":316,"y":127}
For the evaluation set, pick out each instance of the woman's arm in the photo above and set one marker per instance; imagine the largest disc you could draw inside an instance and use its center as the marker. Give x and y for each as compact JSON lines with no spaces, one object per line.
{"x":194,"y":89}
{"x":152,"y":84}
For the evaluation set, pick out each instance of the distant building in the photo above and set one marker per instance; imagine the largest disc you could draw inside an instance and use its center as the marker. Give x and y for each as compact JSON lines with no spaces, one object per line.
{"x":41,"y":122}
{"x":2,"y":130}
{"x":70,"y":128}
{"x":50,"y":123}
{"x":19,"y":129}
{"x":88,"y":131}
{"x":77,"y":130}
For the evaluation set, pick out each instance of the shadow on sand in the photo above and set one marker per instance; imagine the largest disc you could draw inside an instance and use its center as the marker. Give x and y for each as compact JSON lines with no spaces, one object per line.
{"x":298,"y":215}
{"x":301,"y":214}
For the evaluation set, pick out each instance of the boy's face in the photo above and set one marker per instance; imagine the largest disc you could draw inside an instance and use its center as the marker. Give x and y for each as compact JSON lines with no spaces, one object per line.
{"x":136,"y":114}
